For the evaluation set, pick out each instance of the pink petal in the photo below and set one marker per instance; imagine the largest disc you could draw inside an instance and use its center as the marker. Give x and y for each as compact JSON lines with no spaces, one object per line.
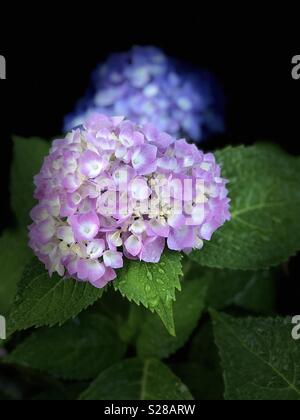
{"x":138,"y":227}
{"x":113,"y":259}
{"x":159,"y":227}
{"x":176,"y":220}
{"x":159,"y":139}
{"x":90,"y":164}
{"x":71,"y":182}
{"x":39,"y":213}
{"x":143,"y":159}
{"x":126,"y":134}
{"x":85,"y":226}
{"x":45,"y":230}
{"x":181,"y":238}
{"x":206,"y":231}
{"x":108,"y":276}
{"x":72,"y":266}
{"x":95,"y":248}
{"x":152,"y":250}
{"x":133,"y":245}
{"x":139,"y":189}
{"x":65,"y":233}
{"x":166,"y":163}
{"x":90,"y":270}
{"x":74,"y":199}
{"x":197,"y":216}
{"x":122,"y":176}
{"x":114,"y":240}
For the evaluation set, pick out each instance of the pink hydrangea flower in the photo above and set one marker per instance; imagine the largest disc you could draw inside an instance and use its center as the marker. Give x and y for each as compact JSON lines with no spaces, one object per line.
{"x":113,"y":189}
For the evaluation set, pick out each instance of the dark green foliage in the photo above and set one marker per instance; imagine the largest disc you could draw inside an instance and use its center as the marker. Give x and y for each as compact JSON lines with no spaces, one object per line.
{"x":160,"y":331}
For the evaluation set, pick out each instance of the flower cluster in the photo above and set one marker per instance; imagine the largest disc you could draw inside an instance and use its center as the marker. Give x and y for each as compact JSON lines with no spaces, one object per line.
{"x":113,"y":189}
{"x":147,"y":86}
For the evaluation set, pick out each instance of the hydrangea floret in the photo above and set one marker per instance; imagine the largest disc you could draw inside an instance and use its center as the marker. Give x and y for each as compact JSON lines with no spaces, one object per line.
{"x":113,"y":189}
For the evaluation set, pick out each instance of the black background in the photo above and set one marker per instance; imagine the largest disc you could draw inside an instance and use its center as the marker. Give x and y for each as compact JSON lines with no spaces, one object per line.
{"x":48,"y":69}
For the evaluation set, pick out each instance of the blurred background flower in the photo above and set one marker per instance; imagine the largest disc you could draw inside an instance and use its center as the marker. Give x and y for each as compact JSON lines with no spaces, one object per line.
{"x":147,"y":86}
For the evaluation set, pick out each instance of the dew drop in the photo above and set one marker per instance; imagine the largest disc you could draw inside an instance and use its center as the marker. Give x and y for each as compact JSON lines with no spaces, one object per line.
{"x":150,"y":276}
{"x":153,"y":303}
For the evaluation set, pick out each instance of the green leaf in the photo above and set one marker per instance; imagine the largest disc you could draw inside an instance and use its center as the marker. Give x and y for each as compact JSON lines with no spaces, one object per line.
{"x":200,"y":380}
{"x":251,"y":290}
{"x":153,"y":285}
{"x":264,"y":188}
{"x":68,"y":391}
{"x":132,"y":324}
{"x":27,"y":161}
{"x":261,"y":361}
{"x":259,"y":293}
{"x":14,"y":253}
{"x":10,"y":387}
{"x":79,"y":350}
{"x":134,"y":379}
{"x":126,"y":316}
{"x":112,"y":305}
{"x":154,"y":341}
{"x":202,"y":372}
{"x":43,"y":301}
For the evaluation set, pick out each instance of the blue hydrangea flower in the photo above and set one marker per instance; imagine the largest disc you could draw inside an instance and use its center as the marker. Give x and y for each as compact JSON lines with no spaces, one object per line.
{"x":147,"y":86}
